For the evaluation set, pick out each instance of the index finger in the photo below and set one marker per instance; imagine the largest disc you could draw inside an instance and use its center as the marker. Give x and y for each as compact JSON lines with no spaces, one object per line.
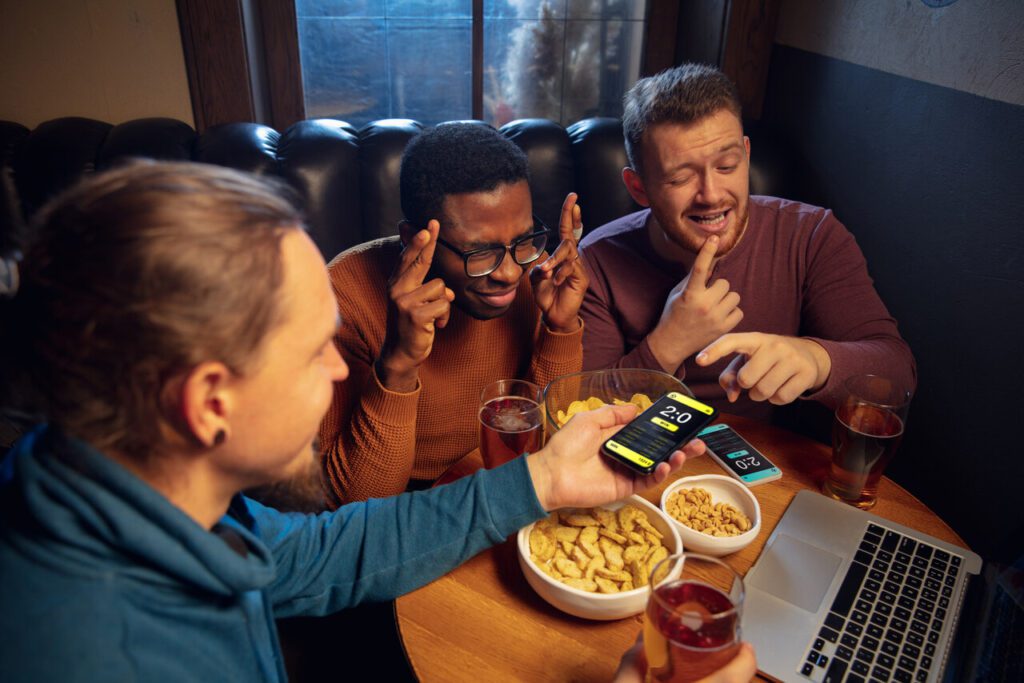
{"x":702,"y":265}
{"x":417,"y":257}
{"x":741,"y":342}
{"x":566,"y":223}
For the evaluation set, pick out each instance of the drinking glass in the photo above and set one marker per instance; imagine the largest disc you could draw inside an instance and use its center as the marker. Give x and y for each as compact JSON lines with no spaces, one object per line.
{"x":692,"y":622}
{"x":866,"y":432}
{"x":511,"y":420}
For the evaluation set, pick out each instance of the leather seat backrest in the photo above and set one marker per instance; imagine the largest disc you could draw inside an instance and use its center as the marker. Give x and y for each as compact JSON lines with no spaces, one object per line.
{"x":346,"y":179}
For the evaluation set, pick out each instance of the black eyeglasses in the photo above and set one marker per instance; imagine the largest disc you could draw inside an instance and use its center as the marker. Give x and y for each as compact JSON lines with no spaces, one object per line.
{"x":485,"y":260}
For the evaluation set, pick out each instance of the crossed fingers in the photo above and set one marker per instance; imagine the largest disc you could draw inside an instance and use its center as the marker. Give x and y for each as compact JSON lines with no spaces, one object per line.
{"x":560,"y":265}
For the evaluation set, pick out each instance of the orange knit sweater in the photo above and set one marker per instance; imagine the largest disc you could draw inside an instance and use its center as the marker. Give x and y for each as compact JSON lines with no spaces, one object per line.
{"x":374,"y":440}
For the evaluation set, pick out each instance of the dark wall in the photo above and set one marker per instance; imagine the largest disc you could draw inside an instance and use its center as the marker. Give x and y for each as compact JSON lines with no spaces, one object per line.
{"x":930,"y":182}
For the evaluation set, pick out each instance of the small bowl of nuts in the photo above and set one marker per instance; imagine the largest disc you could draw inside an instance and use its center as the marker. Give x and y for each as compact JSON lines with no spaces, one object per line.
{"x":714,"y":514}
{"x":595,"y":562}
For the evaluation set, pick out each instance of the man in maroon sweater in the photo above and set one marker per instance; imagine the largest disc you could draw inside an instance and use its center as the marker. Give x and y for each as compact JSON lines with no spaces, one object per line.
{"x":755,"y":300}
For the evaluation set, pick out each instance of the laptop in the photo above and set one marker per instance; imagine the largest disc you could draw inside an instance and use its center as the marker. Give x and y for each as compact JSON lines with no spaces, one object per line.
{"x":839,"y":594}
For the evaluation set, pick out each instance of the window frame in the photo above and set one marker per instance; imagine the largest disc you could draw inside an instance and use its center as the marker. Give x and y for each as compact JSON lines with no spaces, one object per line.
{"x":242,"y":56}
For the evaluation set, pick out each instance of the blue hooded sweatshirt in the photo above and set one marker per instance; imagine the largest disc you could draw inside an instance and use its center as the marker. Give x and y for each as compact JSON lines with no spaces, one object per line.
{"x":103,"y":579}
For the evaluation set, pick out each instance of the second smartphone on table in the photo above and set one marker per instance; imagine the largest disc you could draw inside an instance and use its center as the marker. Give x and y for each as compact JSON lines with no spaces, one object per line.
{"x":737,"y":456}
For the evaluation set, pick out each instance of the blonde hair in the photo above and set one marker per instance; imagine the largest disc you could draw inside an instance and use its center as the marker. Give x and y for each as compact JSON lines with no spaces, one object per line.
{"x":131,"y":278}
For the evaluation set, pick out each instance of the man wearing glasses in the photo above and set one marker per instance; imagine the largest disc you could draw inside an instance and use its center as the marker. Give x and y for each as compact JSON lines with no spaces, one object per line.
{"x":433,"y":315}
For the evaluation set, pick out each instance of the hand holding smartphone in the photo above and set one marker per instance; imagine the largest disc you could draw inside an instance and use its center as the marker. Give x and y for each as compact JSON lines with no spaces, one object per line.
{"x":657,"y":432}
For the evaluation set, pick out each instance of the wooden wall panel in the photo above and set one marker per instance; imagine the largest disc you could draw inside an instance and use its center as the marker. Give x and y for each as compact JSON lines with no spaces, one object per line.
{"x":750,"y":33}
{"x":213,"y":39}
{"x":284,"y":70}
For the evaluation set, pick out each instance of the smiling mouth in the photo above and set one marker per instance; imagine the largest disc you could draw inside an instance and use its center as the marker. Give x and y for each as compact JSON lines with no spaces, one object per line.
{"x":498,"y":299}
{"x":711,"y":221}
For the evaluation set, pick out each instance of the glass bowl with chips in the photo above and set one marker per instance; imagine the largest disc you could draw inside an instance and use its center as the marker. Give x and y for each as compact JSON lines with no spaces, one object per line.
{"x":568,"y":395}
{"x":590,"y":562}
{"x":714,"y":514}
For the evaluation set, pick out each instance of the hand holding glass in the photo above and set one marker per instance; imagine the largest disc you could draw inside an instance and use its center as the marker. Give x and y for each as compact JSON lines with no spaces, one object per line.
{"x":692,"y":623}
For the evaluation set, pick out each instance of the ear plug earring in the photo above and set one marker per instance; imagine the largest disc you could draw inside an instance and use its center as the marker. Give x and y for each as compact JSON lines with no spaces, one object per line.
{"x":220,"y":437}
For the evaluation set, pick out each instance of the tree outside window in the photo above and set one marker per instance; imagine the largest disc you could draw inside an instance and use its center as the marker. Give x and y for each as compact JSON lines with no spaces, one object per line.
{"x":557,"y":59}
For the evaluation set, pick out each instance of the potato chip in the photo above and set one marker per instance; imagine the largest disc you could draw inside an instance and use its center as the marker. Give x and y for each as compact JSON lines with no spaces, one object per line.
{"x":641,"y":401}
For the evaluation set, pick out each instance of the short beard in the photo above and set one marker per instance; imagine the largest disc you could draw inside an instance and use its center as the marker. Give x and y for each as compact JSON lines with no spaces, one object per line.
{"x":693,"y":243}
{"x":303,"y":492}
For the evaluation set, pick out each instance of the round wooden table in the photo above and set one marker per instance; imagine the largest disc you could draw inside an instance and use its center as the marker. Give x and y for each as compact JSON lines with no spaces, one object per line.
{"x":483,"y":622}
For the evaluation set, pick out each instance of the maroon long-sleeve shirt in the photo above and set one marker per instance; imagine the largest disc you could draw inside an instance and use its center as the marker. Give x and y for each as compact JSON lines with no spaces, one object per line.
{"x":798,"y":272}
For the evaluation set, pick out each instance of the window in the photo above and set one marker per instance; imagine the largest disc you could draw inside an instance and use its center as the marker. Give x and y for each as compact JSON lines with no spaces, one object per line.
{"x":559,"y":59}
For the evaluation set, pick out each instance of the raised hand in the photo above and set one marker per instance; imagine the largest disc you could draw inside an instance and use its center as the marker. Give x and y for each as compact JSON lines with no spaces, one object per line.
{"x":559,"y":282}
{"x":695,"y":313}
{"x":769,"y":367}
{"x":415,"y":310}
{"x":570,"y":471}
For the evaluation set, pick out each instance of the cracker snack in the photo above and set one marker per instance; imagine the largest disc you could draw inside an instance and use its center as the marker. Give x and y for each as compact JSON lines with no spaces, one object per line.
{"x":597,"y":550}
{"x":641,"y":401}
{"x":694,"y":508}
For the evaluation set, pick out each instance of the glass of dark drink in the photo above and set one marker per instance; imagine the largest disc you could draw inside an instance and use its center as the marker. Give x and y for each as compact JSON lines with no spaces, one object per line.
{"x":866,"y":432}
{"x":692,"y":622}
{"x":511,"y":420}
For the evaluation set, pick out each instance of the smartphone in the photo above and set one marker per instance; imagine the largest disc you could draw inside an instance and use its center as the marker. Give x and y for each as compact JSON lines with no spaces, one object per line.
{"x":657,"y":432}
{"x":737,"y":456}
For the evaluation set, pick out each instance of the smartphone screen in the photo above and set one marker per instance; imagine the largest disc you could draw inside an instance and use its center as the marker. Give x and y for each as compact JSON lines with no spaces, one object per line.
{"x":738,"y":456}
{"x":657,"y":432}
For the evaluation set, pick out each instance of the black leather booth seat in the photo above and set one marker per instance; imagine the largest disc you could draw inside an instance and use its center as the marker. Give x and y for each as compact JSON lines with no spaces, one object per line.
{"x":347,"y":177}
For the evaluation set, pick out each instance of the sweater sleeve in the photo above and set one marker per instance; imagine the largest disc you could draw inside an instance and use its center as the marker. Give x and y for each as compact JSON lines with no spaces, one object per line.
{"x":555,"y":354}
{"x":604,"y":345}
{"x":380,"y":549}
{"x":843,"y":312}
{"x":368,"y":436}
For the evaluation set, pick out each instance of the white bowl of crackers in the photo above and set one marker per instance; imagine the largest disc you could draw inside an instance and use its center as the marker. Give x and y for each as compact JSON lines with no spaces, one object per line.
{"x":595,"y":563}
{"x":714,"y":514}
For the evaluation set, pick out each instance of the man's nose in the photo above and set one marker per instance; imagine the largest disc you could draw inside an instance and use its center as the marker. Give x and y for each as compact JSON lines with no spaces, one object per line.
{"x":710,"y":188}
{"x":508,"y":270}
{"x":336,"y":365}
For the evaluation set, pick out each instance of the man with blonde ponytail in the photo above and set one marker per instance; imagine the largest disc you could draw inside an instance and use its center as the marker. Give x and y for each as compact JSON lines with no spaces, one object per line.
{"x":172,"y":335}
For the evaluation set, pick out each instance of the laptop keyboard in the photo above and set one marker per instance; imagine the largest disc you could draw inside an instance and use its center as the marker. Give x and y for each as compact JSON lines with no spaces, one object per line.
{"x":886,"y":619}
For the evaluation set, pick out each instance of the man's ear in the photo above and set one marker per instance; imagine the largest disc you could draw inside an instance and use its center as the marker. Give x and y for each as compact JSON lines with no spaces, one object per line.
{"x":205,"y":401}
{"x":635,"y":186}
{"x":406,"y":230}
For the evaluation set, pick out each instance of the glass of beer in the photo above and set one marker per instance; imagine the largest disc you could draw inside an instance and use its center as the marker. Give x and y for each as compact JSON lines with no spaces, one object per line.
{"x":692,"y":622}
{"x":866,"y":432}
{"x":511,"y":420}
